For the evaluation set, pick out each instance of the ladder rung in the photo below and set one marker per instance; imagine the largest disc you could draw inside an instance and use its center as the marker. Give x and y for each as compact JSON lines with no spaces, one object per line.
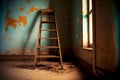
{"x":49,"y":38}
{"x":48,"y":47}
{"x":45,"y":13}
{"x":47,"y":21}
{"x":48,"y":56}
{"x":49,"y":30}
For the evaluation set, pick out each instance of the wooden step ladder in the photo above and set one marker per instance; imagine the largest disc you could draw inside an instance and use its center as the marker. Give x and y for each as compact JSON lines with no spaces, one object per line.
{"x":48,"y":12}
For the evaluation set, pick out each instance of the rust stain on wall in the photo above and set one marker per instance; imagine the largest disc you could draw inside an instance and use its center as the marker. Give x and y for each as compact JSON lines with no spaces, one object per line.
{"x":14,"y":22}
{"x":23,"y":20}
{"x":10,"y":22}
{"x":28,"y":1}
{"x":32,"y":9}
{"x":21,"y":9}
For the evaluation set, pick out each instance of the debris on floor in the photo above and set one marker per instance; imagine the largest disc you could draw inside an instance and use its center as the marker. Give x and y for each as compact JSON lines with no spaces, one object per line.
{"x":17,"y":70}
{"x":57,"y":67}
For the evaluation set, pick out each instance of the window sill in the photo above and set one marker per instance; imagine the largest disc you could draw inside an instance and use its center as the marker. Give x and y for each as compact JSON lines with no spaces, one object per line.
{"x":90,"y":49}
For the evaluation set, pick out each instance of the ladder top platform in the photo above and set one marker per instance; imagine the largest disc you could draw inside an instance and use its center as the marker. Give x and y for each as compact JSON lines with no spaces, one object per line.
{"x":47,"y":11}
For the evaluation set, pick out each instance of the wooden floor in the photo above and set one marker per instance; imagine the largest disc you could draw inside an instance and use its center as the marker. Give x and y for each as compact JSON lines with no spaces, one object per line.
{"x":23,"y":70}
{"x":19,"y":70}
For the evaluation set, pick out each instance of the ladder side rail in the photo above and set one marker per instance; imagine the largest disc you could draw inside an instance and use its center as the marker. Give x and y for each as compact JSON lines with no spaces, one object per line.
{"x":38,"y":42}
{"x":60,"y":52}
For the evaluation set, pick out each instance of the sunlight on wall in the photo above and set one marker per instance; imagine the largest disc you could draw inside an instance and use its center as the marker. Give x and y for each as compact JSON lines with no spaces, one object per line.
{"x":85,"y":30}
{"x":87,"y":24}
{"x":90,"y":23}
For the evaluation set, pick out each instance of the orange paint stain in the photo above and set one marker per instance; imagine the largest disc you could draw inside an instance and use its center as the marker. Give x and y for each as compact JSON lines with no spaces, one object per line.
{"x":21,"y":9}
{"x":32,"y":9}
{"x":10,"y":22}
{"x":23,"y":20}
{"x":14,"y":22}
{"x":28,"y":1}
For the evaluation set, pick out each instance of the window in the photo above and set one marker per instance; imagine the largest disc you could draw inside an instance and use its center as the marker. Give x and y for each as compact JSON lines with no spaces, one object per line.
{"x":87,"y":24}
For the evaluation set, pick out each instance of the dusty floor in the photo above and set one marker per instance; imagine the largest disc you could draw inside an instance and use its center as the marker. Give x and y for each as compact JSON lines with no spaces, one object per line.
{"x":19,"y":70}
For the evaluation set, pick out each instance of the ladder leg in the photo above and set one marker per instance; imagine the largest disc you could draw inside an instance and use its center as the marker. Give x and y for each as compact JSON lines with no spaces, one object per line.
{"x":35,"y":61}
{"x":38,"y":43}
{"x":61,"y":61}
{"x":60,"y":53}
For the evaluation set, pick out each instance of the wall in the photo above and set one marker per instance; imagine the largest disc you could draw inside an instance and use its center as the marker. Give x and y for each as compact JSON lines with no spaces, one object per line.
{"x":76,"y":22}
{"x":63,"y":12}
{"x":116,"y":10}
{"x":106,"y":35}
{"x":20,"y":20}
{"x":106,"y":48}
{"x":82,"y":54}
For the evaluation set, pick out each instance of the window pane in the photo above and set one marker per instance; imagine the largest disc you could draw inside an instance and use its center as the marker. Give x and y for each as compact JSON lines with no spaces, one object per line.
{"x":90,"y":5}
{"x":85,"y":23}
{"x":90,"y":29}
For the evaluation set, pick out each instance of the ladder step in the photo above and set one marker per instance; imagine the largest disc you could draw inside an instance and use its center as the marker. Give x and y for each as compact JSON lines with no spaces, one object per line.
{"x":48,"y":30}
{"x":48,"y":56}
{"x":47,"y":11}
{"x":48,"y":47}
{"x":47,"y":22}
{"x":50,"y":38}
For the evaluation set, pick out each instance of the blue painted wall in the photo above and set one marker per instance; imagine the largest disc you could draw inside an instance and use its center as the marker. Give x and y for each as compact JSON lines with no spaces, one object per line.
{"x":19,"y":24}
{"x":117,"y":29}
{"x":76,"y":22}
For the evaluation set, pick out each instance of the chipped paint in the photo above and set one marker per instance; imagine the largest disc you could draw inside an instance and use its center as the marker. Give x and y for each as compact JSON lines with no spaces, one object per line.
{"x":23,"y":20}
{"x":32,"y":9}
{"x":28,"y":1}
{"x":10,"y":22}
{"x":14,"y":22}
{"x":21,"y":25}
{"x":21,"y":9}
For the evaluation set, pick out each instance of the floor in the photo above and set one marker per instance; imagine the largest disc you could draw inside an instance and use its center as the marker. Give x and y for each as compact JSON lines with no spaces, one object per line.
{"x":23,"y":70}
{"x":19,"y":70}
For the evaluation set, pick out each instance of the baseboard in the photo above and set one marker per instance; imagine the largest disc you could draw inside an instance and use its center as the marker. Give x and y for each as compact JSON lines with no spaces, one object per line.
{"x":16,"y":57}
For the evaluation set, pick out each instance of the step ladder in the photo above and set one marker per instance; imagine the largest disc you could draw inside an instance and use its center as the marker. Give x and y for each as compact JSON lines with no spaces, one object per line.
{"x":48,"y":12}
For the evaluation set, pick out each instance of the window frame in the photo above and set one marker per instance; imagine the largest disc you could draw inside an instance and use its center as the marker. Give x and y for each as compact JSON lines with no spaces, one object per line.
{"x":89,"y":12}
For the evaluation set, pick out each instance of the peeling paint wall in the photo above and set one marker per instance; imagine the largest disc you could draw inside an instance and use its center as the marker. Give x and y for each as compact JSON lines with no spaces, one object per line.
{"x":20,"y":20}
